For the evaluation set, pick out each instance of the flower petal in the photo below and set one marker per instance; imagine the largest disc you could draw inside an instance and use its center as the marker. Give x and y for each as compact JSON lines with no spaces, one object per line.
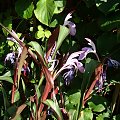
{"x":91,"y":43}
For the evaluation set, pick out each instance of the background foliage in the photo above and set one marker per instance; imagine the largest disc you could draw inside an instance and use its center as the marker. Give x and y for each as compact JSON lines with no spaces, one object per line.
{"x":24,"y":84}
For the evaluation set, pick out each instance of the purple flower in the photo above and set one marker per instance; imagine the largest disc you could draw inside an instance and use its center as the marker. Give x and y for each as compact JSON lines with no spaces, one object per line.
{"x":113,"y":63}
{"x":100,"y":82}
{"x":10,"y":57}
{"x":69,"y":75}
{"x":87,"y":50}
{"x":13,"y":40}
{"x":71,"y":25}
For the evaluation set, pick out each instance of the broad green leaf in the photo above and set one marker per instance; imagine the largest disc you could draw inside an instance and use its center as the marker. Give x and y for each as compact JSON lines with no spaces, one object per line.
{"x":6,"y":78}
{"x":74,"y":98}
{"x":72,"y":114}
{"x":63,"y":33}
{"x":21,"y":63}
{"x":55,"y":107}
{"x":104,"y":116}
{"x":59,"y":6}
{"x":86,"y":114}
{"x":35,"y":45}
{"x":24,"y":8}
{"x":97,"y":103}
{"x":44,"y":11}
{"x":96,"y":108}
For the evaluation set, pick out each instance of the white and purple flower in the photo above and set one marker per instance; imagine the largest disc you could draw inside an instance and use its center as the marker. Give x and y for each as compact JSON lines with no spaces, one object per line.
{"x":71,"y":25}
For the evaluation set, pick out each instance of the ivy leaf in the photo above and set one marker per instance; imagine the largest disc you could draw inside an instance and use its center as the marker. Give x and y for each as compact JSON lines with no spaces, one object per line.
{"x":24,"y":8}
{"x":44,"y":11}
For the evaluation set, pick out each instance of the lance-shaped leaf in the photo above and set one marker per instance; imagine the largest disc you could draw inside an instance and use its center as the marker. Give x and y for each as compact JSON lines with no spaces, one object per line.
{"x":19,"y":110}
{"x":35,"y":45}
{"x":90,"y":66}
{"x":6,"y":78}
{"x":63,"y":33}
{"x":55,"y":107}
{"x":22,"y":58}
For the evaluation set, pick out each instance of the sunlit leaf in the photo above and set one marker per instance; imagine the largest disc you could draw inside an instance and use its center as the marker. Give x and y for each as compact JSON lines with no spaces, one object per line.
{"x":24,"y":8}
{"x":59,"y":6}
{"x":6,"y":78}
{"x":86,"y":114}
{"x":35,"y":45}
{"x":44,"y":11}
{"x":47,"y":33}
{"x":63,"y":33}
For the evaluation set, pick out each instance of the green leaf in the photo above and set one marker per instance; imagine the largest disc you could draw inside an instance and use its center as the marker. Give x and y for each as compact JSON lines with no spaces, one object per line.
{"x":39,"y":34}
{"x":72,"y":114}
{"x":90,"y":66}
{"x":8,"y":23}
{"x":86,"y":114}
{"x":104,"y":116}
{"x":97,"y":103}
{"x":6,"y":78}
{"x":44,"y":11}
{"x":47,"y":33}
{"x":17,"y":96}
{"x":106,"y":6}
{"x":24,"y":8}
{"x":59,"y":6}
{"x":96,"y":108}
{"x":35,"y":45}
{"x":63,"y":33}
{"x":108,"y":23}
{"x":55,"y":107}
{"x":74,"y":98}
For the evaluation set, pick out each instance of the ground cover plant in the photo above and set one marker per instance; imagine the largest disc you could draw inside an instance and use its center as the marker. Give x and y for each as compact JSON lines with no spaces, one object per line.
{"x":60,"y":60}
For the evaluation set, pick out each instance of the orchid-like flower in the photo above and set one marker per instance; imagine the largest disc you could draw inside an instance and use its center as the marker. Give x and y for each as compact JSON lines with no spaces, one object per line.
{"x":70,"y":24}
{"x":13,"y":40}
{"x":10,"y":57}
{"x":87,"y":50}
{"x":72,"y":63}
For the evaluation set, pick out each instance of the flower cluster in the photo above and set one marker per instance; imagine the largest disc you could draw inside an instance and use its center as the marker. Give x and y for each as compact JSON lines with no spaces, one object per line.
{"x":74,"y":64}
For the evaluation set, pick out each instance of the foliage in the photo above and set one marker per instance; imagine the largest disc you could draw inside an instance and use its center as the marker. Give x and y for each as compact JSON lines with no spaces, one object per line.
{"x":60,"y":59}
